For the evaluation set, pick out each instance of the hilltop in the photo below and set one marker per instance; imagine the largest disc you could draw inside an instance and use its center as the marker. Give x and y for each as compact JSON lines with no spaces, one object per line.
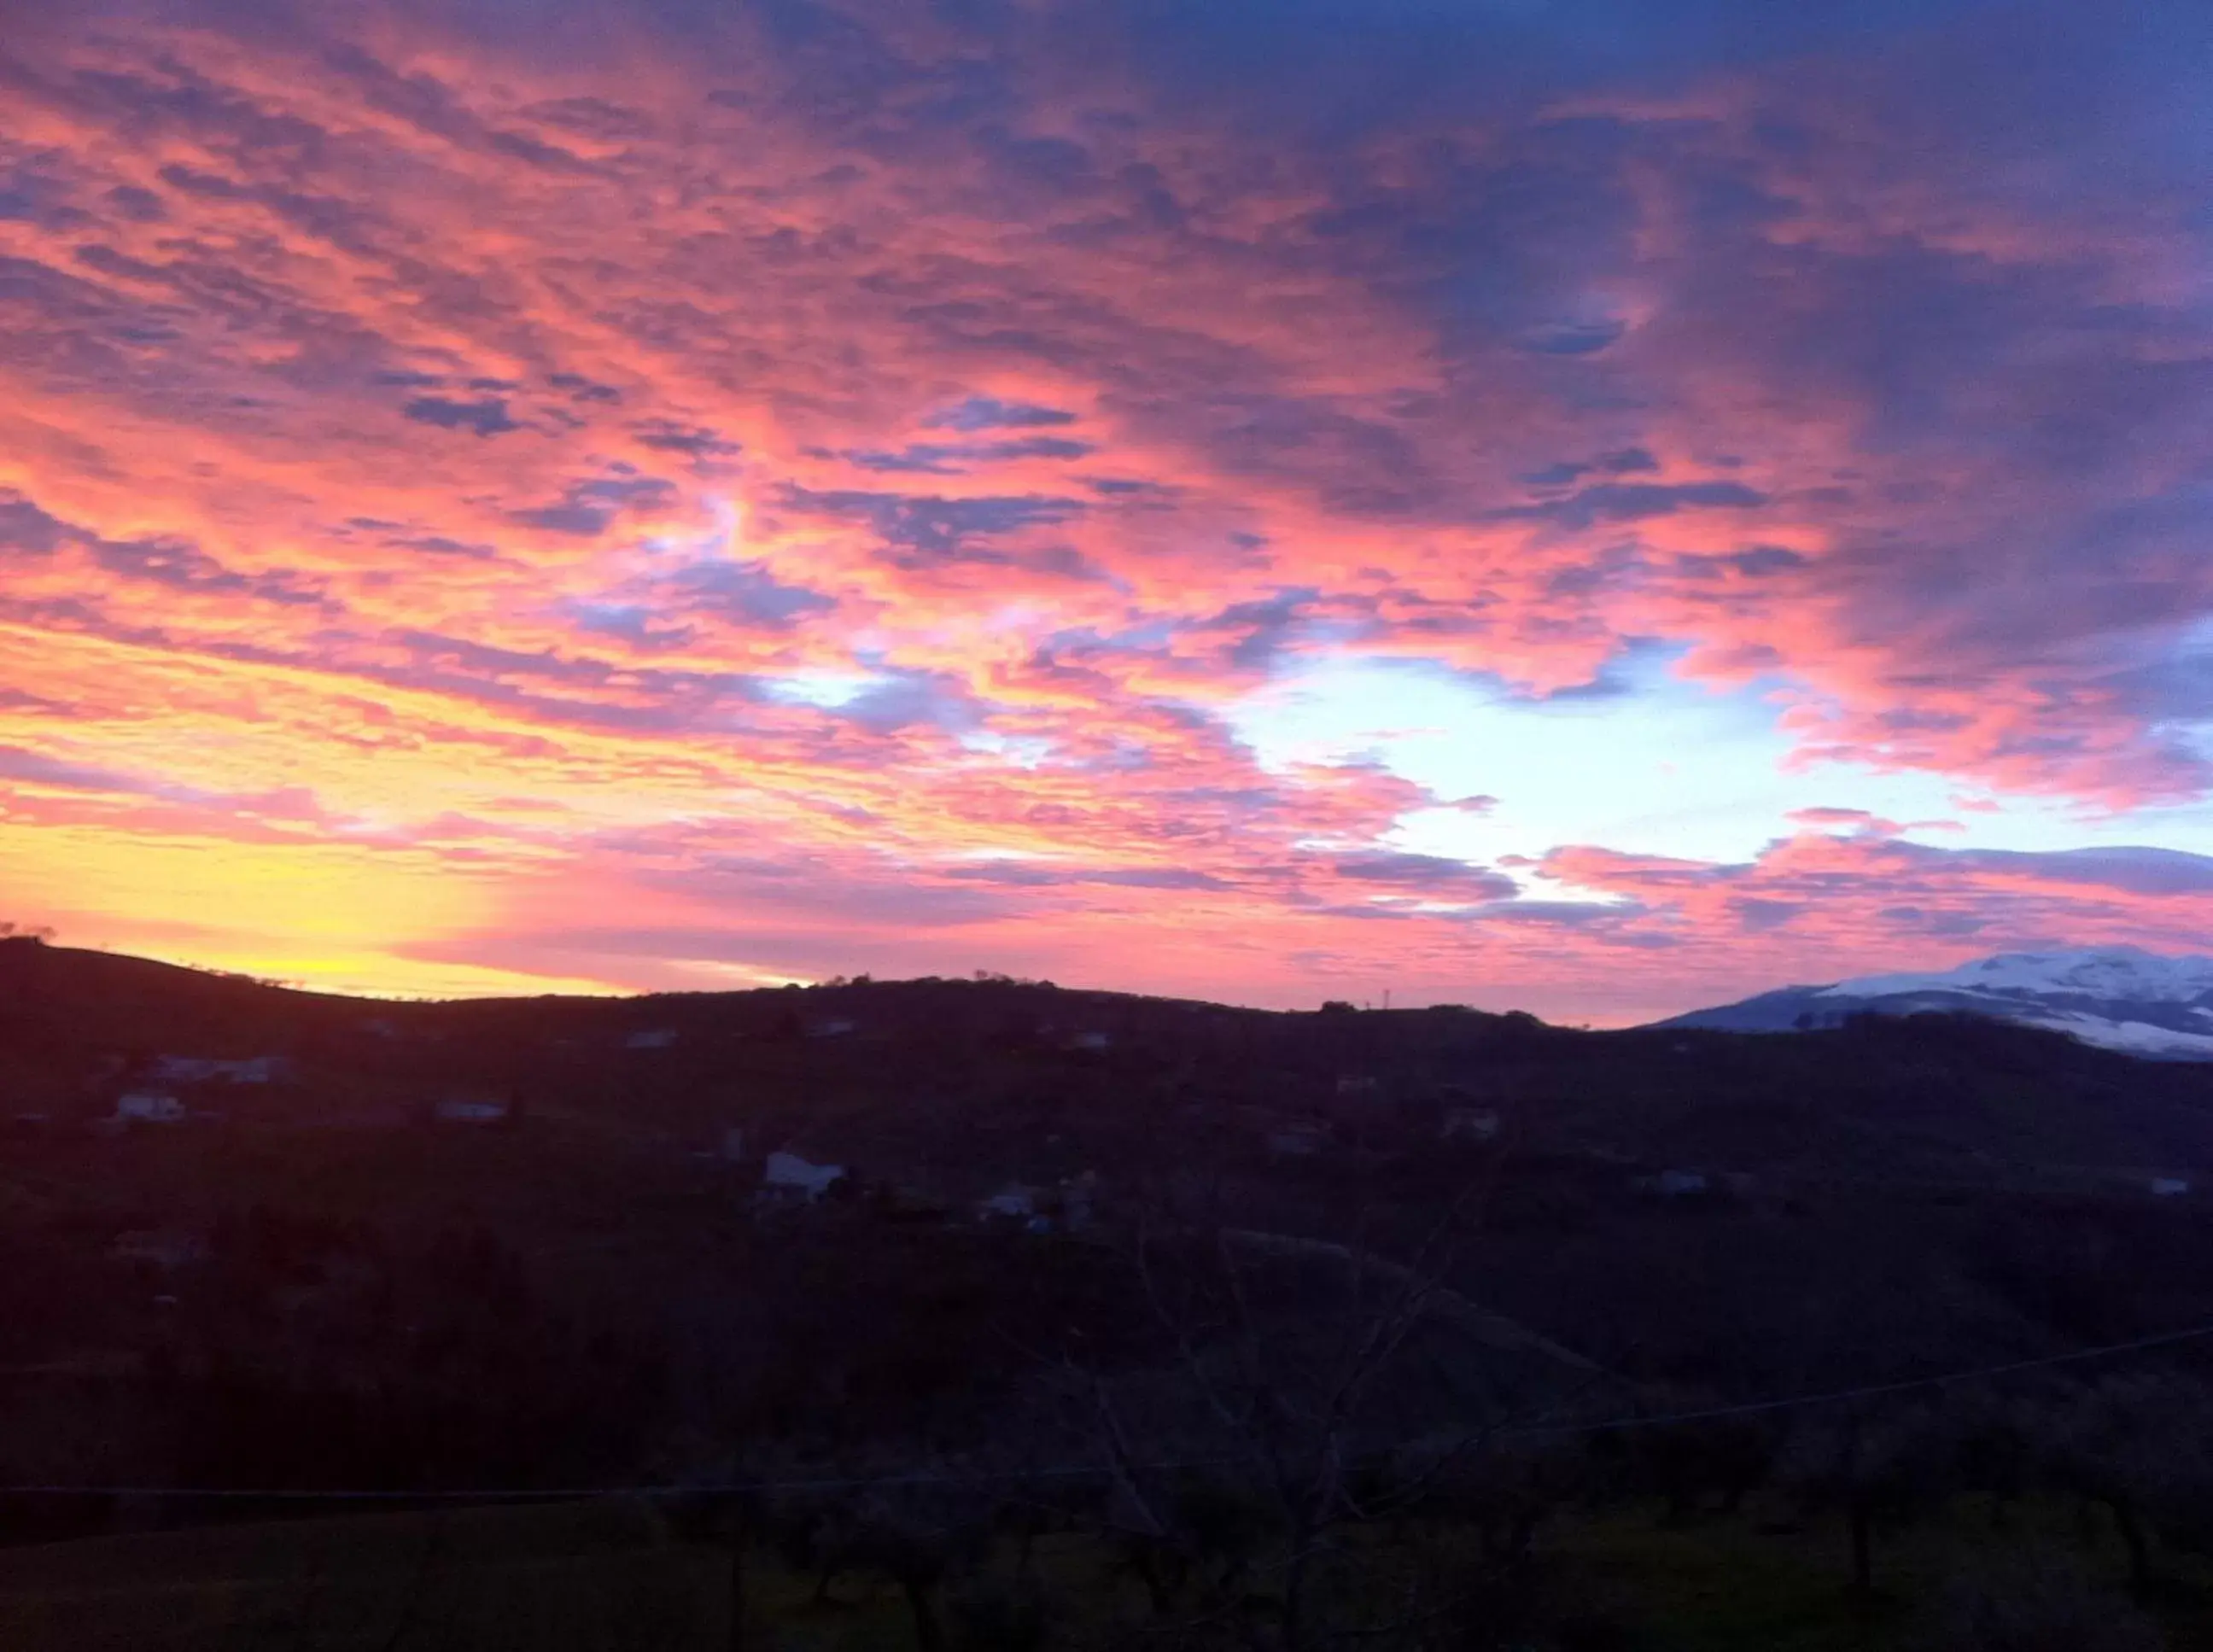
{"x":2120,"y":999}
{"x":251,"y":1236}
{"x":1014,"y":1066}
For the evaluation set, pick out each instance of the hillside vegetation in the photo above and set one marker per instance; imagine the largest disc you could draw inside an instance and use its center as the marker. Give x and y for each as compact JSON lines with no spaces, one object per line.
{"x":1085,"y":1318}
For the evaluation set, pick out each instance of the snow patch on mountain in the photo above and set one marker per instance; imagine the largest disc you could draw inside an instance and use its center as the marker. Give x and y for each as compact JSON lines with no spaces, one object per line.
{"x":2127,"y":972}
{"x":2140,"y":1038}
{"x":2121,"y":998}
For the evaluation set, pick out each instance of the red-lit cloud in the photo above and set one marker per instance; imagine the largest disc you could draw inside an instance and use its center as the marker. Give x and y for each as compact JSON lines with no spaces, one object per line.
{"x":799,"y":489}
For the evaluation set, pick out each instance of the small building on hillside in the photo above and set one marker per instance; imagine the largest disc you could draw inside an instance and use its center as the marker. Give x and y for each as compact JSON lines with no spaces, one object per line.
{"x":1067,"y":1207}
{"x":1092,"y":1038}
{"x":787,"y":1177}
{"x":651,"y":1038}
{"x":149,"y":1106}
{"x":2170,"y":1187}
{"x":1013,"y":1203}
{"x":202,"y":1070}
{"x":1675,"y":1184}
{"x":471,"y":1110}
{"x":830,"y":1027}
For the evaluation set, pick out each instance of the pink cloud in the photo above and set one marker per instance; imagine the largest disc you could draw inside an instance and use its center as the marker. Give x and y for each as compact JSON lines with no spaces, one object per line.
{"x":637,"y":454}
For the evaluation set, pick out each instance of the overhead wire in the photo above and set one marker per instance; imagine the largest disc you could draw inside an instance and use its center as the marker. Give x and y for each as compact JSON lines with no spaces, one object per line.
{"x":1073,"y":1471}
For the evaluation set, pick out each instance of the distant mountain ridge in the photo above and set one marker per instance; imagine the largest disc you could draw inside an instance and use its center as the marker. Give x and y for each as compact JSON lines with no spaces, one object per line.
{"x":2123,"y":998}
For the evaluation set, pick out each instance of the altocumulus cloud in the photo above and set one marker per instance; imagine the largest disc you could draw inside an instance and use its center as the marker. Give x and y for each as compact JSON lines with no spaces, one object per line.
{"x":372,"y":378}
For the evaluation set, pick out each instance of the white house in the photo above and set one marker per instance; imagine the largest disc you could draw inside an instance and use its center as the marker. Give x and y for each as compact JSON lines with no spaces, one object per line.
{"x":198,"y":1070}
{"x":1093,"y":1039}
{"x":1676,"y":1184}
{"x":2168,"y":1187}
{"x":1014,"y":1200}
{"x":470,"y":1110}
{"x":787,"y":1177}
{"x":149,"y":1106}
{"x":831,"y":1027}
{"x":653,"y":1037}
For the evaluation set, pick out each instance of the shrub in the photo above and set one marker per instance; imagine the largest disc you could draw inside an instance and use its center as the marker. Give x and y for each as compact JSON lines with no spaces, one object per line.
{"x":2038,"y":1603}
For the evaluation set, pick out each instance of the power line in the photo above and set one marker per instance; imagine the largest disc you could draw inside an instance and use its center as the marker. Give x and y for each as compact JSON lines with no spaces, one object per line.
{"x":1071,"y":1471}
{"x":1872,"y":1390}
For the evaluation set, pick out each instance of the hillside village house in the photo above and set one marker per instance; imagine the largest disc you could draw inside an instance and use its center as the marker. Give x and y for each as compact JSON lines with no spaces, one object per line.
{"x":1068,"y":1206}
{"x":148,"y":1107}
{"x":1013,"y":1202}
{"x":471,"y":1110}
{"x":200,"y":1070}
{"x":651,"y":1038}
{"x":788,"y":1179}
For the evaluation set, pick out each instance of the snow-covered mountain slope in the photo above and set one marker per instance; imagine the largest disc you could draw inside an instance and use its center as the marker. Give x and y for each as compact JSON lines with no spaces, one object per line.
{"x":2118,"y":997}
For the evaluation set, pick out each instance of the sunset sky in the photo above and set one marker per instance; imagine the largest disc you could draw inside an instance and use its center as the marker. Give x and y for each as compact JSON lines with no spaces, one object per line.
{"x":1599,"y":507}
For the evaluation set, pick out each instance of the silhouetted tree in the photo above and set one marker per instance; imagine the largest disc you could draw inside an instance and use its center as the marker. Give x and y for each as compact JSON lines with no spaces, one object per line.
{"x":1875,"y":1466}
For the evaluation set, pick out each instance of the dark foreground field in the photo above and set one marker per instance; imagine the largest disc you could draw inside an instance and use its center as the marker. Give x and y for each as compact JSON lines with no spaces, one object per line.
{"x":1087,"y":1322}
{"x":619,"y":1575}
